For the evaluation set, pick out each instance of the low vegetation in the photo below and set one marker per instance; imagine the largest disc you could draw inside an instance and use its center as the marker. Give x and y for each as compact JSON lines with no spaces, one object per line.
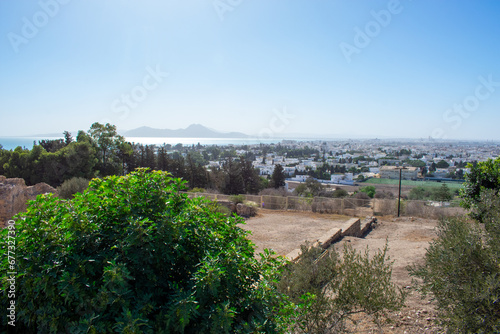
{"x":461,"y":269}
{"x":72,"y":186}
{"x":327,"y":289}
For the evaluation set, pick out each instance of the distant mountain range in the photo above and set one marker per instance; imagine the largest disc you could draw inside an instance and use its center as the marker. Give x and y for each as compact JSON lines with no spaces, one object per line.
{"x":192,"y":131}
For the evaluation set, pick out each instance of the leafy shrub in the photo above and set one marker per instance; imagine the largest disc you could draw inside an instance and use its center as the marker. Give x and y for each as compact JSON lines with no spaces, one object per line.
{"x":369,"y":190}
{"x":461,"y":270}
{"x":236,"y":199}
{"x":326,"y":289}
{"x":134,"y":255}
{"x":442,"y":193}
{"x":72,"y":186}
{"x":419,"y":193}
{"x":337,"y":193}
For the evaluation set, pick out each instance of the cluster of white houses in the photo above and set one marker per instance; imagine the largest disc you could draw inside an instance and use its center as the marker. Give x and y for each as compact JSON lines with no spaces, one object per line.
{"x":375,"y":158}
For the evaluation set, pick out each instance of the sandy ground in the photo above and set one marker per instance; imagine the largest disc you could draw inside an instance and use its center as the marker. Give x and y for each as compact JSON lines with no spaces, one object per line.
{"x":407,"y":240}
{"x":284,"y":231}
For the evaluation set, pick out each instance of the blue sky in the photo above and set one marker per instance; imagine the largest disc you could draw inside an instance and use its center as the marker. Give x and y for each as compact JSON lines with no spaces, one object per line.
{"x":403,"y":69}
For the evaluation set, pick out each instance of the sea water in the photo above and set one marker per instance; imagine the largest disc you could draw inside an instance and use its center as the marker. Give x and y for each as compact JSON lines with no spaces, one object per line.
{"x":10,"y":143}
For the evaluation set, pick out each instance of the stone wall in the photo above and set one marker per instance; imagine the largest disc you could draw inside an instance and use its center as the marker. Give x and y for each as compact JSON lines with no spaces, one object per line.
{"x":14,"y":195}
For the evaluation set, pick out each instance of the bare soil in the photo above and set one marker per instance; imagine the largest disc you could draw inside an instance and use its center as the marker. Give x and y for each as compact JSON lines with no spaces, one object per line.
{"x":407,"y":240}
{"x":284,"y":231}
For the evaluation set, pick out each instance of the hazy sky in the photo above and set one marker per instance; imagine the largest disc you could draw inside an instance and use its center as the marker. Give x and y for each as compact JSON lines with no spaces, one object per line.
{"x":275,"y":68}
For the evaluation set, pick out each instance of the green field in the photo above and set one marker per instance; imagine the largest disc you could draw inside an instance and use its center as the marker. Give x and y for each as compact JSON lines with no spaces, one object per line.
{"x":451,"y":185}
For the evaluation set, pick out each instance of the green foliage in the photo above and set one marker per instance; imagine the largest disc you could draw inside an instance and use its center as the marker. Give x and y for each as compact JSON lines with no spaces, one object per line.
{"x":236,"y":199}
{"x":415,"y":163}
{"x":340,"y":193}
{"x":442,"y":164}
{"x":310,"y":188}
{"x":326,"y":289}
{"x":337,"y":193}
{"x":77,"y":159}
{"x":52,"y":145}
{"x":107,"y":142}
{"x":369,"y":190}
{"x":482,"y":176}
{"x":278,"y":177}
{"x":442,"y":193}
{"x":72,"y":186}
{"x":234,"y":182}
{"x":419,"y":193}
{"x":462,"y":272}
{"x":134,"y":255}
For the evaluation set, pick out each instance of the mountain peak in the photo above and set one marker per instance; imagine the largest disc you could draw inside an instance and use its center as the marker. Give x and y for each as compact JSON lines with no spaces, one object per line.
{"x":192,"y":131}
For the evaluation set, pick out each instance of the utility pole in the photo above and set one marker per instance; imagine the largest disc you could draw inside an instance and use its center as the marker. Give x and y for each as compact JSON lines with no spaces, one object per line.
{"x":399,"y":195}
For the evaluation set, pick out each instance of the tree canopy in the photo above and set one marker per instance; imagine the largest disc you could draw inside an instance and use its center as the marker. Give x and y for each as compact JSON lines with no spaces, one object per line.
{"x":278,"y":177}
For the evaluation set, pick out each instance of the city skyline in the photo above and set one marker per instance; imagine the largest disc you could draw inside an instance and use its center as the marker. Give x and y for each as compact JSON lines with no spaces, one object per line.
{"x":387,"y":69}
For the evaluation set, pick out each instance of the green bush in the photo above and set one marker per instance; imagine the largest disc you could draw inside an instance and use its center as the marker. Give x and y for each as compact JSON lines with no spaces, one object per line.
{"x":326,"y":289}
{"x":462,"y":271}
{"x":420,"y":193}
{"x":236,"y":199}
{"x":134,"y":255}
{"x":72,"y":186}
{"x":369,"y":190}
{"x":442,"y":193}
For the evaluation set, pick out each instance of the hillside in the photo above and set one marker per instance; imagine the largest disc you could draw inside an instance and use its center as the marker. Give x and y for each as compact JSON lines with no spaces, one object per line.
{"x":192,"y":131}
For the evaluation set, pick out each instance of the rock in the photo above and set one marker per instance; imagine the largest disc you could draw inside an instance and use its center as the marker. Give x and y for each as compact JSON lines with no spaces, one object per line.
{"x":14,"y":195}
{"x":245,"y":210}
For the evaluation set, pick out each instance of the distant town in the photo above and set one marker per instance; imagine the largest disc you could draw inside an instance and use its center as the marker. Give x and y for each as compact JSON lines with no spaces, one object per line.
{"x":345,"y":162}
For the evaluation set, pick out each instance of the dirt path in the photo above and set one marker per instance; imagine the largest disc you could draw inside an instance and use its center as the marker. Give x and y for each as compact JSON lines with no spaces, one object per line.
{"x":407,"y":240}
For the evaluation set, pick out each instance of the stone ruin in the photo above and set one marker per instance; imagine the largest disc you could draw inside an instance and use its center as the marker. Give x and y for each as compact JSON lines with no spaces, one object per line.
{"x":14,"y":195}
